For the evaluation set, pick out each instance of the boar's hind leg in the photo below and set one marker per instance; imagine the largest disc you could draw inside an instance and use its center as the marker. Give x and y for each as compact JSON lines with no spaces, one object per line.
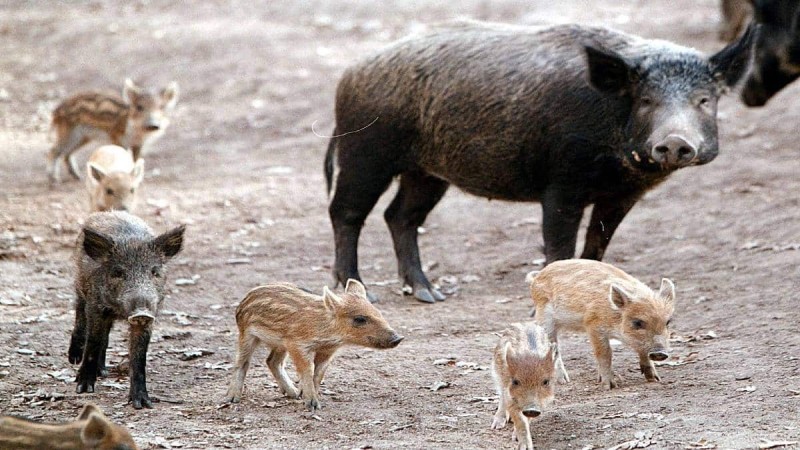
{"x":607,"y":214}
{"x":98,"y":327}
{"x":139,"y":340}
{"x":358,"y":187}
{"x":417,"y":196}
{"x":276,"y":363}
{"x":561,"y":217}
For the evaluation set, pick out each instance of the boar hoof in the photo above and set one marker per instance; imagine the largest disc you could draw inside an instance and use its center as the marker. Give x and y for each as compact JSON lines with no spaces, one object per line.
{"x":75,"y":352}
{"x":140,"y":401}
{"x":426,"y":295}
{"x":84,"y":386}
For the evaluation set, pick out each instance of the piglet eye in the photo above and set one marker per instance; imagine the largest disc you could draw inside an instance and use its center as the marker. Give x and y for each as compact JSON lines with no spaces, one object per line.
{"x":133,"y":190}
{"x":545,"y":382}
{"x":646,"y":101}
{"x":515,"y":382}
{"x":360,"y":321}
{"x":637,"y":324}
{"x":139,"y":108}
{"x":669,"y":322}
{"x":109,"y":191}
{"x":704,"y":101}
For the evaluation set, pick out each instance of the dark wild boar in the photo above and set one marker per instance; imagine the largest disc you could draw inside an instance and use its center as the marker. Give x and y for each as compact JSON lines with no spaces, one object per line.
{"x":777,"y":50}
{"x":568,"y":116}
{"x":121,"y":276}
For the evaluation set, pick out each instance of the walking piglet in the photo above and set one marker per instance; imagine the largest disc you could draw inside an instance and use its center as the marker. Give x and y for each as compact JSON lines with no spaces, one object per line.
{"x":524,"y":374}
{"x":113,"y":179}
{"x":307,"y":327}
{"x":121,"y":276}
{"x":605,"y":302}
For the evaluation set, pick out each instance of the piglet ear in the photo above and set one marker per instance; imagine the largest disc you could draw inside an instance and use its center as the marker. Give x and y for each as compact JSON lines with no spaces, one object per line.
{"x":130,"y":91}
{"x":667,"y":291}
{"x":95,"y":172}
{"x":88,"y":409}
{"x":171,"y":242}
{"x":506,"y":353}
{"x":95,"y":430}
{"x":96,"y":244}
{"x":619,"y":297}
{"x":330,"y":300}
{"x":170,"y":95}
{"x":609,"y":72}
{"x":355,"y":287}
{"x":730,"y":64}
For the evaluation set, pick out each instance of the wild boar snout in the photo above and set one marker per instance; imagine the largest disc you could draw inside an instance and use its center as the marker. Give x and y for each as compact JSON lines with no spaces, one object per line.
{"x":674,"y":151}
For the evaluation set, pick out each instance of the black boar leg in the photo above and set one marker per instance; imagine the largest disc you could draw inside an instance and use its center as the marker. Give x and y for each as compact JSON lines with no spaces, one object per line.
{"x":417,"y":196}
{"x":607,"y":214}
{"x":561,"y":218}
{"x":78,"y":340}
{"x":139,"y":340}
{"x":357,"y":190}
{"x":98,"y":327}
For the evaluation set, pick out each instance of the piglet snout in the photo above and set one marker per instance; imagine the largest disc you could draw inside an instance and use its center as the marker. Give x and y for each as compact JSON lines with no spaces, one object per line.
{"x":531,"y":412}
{"x":658,"y":355}
{"x":396,"y":339}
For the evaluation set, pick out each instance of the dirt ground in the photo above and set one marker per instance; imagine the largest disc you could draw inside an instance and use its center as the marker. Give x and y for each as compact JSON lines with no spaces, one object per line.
{"x":241,"y":166}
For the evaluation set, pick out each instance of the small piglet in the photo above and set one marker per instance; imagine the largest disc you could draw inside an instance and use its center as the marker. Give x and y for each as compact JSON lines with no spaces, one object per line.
{"x":307,"y":327}
{"x":524,"y":371}
{"x":120,"y":276}
{"x":90,"y":431}
{"x":113,"y":179}
{"x":605,"y":302}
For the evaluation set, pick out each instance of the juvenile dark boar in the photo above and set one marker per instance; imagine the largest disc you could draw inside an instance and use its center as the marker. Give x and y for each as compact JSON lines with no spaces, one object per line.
{"x":90,"y":431}
{"x":567,"y":116}
{"x":307,"y":327}
{"x":777,"y":50}
{"x":605,"y":302}
{"x":121,"y":276}
{"x":523,"y":370}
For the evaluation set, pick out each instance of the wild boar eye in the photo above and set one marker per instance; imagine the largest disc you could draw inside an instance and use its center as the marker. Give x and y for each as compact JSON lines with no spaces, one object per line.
{"x":515,"y":382}
{"x":646,"y":101}
{"x":117,"y":272}
{"x":109,"y":191}
{"x":156,"y":271}
{"x":360,"y":321}
{"x":704,"y":101}
{"x":637,"y":324}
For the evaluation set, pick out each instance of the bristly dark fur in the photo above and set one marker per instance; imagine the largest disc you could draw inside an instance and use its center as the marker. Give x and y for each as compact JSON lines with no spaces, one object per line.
{"x":119,"y":272}
{"x":520,"y":114}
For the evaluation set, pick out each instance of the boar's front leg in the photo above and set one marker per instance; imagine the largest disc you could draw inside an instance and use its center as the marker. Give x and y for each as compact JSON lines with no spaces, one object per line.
{"x":139,"y":340}
{"x":78,"y":340}
{"x":98,"y":327}
{"x":417,"y":196}
{"x":562,"y":211}
{"x":607,"y":214}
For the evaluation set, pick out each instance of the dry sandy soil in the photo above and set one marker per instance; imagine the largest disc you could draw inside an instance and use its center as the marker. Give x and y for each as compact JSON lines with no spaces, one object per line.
{"x":241,"y":166}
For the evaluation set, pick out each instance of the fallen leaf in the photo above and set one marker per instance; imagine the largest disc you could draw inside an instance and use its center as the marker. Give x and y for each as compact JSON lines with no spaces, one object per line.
{"x":746,"y":389}
{"x":774,"y":444}
{"x":438,"y":385}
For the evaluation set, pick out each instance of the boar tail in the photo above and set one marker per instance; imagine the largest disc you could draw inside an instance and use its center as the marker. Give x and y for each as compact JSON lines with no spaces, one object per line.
{"x":531,"y":276}
{"x":329,"y":163}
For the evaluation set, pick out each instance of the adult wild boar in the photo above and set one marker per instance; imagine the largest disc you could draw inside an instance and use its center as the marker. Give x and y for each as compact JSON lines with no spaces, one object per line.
{"x":777,"y":50}
{"x":567,"y":116}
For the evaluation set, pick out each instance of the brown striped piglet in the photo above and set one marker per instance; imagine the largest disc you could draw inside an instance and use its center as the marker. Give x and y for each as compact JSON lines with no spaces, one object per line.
{"x":605,"y":302}
{"x":309,"y":328}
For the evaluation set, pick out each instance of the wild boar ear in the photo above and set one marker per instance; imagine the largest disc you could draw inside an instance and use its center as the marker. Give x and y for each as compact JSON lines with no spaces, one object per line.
{"x":330,"y":300}
{"x":171,"y":242}
{"x":88,"y":409}
{"x":96,"y":244}
{"x":95,"y":172}
{"x":609,"y":72}
{"x":355,"y":287}
{"x":138,"y":172}
{"x":170,"y":95}
{"x":130,"y":91}
{"x":95,"y":430}
{"x":667,"y":291}
{"x":730,"y":64}
{"x":619,"y":297}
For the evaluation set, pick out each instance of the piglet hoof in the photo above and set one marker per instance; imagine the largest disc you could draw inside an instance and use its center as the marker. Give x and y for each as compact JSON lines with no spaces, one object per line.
{"x":608,"y":382}
{"x":312,"y":404}
{"x":650,"y":374}
{"x":563,"y":377}
{"x":292,"y":393}
{"x":499,"y":422}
